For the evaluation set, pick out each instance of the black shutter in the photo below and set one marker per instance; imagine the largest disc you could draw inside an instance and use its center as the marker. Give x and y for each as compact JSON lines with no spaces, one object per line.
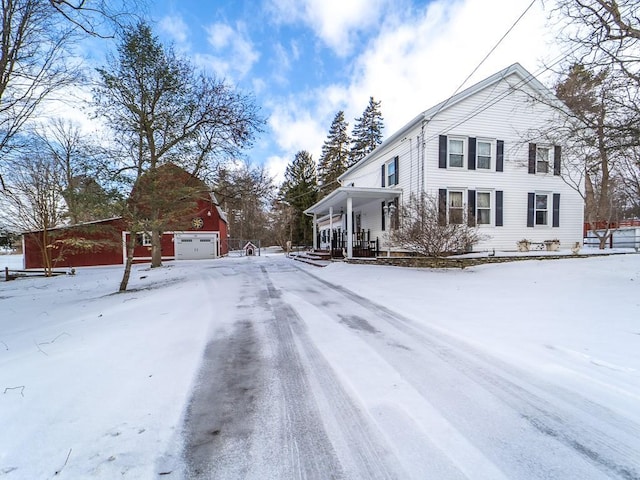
{"x":557,"y":150}
{"x":530,"y":210}
{"x":382,"y":175}
{"x":442,"y":206}
{"x":442,"y":152}
{"x":532,"y":158}
{"x":471,"y":160}
{"x":556,"y":210}
{"x":499,"y":155}
{"x":383,"y":219}
{"x":471,"y":208}
{"x":499,"y":208}
{"x":396,"y":162}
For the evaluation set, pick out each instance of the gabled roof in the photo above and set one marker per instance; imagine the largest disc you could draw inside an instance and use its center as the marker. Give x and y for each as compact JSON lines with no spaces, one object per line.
{"x":526,"y":78}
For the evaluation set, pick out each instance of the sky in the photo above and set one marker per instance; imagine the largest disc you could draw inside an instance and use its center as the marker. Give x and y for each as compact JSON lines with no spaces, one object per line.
{"x":305,"y":60}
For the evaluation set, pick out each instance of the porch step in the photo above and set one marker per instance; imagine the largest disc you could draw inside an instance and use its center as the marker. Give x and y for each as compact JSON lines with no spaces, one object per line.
{"x":319,"y":254}
{"x":318,"y":259}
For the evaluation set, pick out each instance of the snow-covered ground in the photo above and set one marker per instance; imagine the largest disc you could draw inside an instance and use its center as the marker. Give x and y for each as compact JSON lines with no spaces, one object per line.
{"x":575,"y":321}
{"x":95,"y":384}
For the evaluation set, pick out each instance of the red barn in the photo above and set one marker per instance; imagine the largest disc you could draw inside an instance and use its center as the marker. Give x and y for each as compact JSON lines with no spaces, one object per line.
{"x":198,"y":230}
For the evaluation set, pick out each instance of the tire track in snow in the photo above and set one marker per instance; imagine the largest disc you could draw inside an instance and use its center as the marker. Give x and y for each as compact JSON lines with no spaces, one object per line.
{"x":219,"y":423}
{"x":547,"y":409}
{"x":360,"y":456}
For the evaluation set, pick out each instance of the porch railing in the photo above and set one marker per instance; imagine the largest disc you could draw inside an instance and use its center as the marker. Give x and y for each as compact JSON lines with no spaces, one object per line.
{"x":363,"y":244}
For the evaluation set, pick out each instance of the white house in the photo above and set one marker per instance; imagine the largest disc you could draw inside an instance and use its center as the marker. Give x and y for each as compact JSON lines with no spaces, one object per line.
{"x":482,"y":153}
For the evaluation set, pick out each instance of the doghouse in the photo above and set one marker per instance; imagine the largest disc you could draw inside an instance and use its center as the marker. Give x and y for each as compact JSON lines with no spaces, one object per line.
{"x":250,"y":249}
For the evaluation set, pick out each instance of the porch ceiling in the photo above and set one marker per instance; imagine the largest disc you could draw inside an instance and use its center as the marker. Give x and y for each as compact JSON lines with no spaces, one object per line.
{"x":359,"y":195}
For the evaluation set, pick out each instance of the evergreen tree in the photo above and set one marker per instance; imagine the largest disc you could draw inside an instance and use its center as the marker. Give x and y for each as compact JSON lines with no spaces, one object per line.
{"x":161,"y":109}
{"x":335,"y":154}
{"x":367,"y":132}
{"x":300,"y":191}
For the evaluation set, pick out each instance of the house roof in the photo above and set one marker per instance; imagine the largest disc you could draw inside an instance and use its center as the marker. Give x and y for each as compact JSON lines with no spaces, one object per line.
{"x":73,"y":225}
{"x":526,"y":78}
{"x":359,"y":196}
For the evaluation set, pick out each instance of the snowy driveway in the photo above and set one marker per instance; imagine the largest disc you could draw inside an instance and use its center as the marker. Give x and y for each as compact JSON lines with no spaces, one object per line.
{"x":266,"y":368}
{"x":312,"y":381}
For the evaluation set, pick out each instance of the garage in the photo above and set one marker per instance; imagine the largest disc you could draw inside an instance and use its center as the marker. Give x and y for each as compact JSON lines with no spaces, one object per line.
{"x":196,"y":246}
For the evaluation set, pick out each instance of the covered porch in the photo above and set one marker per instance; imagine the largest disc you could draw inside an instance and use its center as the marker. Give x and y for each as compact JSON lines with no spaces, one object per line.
{"x":343,"y":201}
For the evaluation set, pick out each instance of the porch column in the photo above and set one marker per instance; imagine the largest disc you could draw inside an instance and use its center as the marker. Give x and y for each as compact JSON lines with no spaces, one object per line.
{"x":349,"y":227}
{"x":315,"y":231}
{"x":330,"y":231}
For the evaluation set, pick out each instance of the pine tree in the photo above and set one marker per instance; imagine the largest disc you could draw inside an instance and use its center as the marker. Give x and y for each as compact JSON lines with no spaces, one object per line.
{"x":367,"y":132}
{"x":300,"y":191}
{"x":335,"y":154}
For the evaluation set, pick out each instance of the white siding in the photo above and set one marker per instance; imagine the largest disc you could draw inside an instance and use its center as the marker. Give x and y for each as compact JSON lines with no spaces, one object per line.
{"x":498,"y":112}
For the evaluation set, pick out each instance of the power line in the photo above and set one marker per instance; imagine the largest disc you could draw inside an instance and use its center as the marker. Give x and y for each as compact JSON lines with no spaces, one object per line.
{"x":513,"y":25}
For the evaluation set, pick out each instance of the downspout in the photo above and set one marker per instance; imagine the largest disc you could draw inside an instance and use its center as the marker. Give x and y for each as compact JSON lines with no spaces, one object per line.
{"x":422,"y":185}
{"x":349,"y":227}
{"x":410,"y":162}
{"x":330,"y":232}
{"x":315,"y":231}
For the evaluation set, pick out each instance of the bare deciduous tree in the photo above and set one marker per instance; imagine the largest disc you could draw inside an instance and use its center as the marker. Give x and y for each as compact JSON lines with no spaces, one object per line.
{"x":245,"y":192}
{"x":37,"y":58}
{"x":603,"y":60}
{"x":84,"y":176}
{"x":162,"y":110}
{"x":33,"y":200}
{"x":423,"y":229}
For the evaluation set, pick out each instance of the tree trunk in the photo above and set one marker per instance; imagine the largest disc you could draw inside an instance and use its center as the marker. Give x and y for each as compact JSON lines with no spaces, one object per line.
{"x":131,"y":245}
{"x":156,"y":249}
{"x":46,"y":254}
{"x":602,"y":242}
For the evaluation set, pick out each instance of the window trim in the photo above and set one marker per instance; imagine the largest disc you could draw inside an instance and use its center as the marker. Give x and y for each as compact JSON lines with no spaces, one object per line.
{"x":388,"y":164}
{"x":548,"y":210}
{"x":462,"y":208}
{"x":548,"y":161}
{"x":490,"y":208}
{"x":465,"y":145}
{"x":492,"y":154}
{"x":143,"y":239}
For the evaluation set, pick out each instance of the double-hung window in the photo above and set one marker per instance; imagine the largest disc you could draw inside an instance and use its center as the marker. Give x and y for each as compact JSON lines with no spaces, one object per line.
{"x":543,"y":156}
{"x":456,"y":207}
{"x":391,"y":173}
{"x":483,"y":208}
{"x":541,"y":214}
{"x":483,"y":155}
{"x":456,"y":153}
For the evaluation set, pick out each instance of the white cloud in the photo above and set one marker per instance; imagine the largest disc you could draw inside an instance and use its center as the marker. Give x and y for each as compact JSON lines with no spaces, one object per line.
{"x":297,"y":129}
{"x":276,"y":166}
{"x":175,"y":27}
{"x":233,"y":52}
{"x":334,"y":22}
{"x":415,"y":63}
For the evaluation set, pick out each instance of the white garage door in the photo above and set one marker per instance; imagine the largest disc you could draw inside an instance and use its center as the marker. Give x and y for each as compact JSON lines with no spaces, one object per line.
{"x":196,"y":246}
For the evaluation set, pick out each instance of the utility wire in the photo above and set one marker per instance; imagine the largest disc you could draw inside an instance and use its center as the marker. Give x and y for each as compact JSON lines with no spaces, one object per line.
{"x":513,"y":25}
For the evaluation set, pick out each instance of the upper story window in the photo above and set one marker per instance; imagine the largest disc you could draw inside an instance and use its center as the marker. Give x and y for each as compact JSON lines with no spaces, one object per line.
{"x":456,"y":153}
{"x":470,"y":153}
{"x":544,"y":159}
{"x":390,"y":172}
{"x":543,"y":155}
{"x":483,"y":155}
